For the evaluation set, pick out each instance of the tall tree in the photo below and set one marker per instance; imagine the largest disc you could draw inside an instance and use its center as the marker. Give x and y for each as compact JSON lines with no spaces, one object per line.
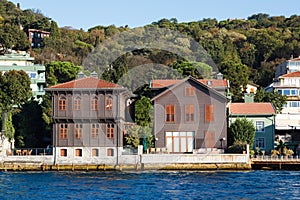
{"x":238,"y":75}
{"x":15,"y":90}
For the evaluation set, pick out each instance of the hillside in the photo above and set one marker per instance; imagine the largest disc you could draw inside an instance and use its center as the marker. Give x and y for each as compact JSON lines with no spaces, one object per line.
{"x":259,"y":42}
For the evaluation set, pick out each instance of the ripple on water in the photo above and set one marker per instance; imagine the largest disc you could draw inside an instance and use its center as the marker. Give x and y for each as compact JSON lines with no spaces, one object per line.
{"x":151,"y":185}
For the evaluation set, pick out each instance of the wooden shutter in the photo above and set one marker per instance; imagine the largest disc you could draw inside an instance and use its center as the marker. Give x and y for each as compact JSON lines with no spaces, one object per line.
{"x":209,"y":113}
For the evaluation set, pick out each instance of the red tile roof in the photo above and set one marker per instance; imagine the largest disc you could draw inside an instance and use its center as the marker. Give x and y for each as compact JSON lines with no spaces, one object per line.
{"x":167,"y":83}
{"x":86,"y":83}
{"x":295,"y":59}
{"x":291,"y":75}
{"x":251,"y":109}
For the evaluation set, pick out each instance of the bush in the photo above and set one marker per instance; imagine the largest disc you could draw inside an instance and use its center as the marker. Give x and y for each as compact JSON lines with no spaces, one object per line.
{"x":237,"y":147}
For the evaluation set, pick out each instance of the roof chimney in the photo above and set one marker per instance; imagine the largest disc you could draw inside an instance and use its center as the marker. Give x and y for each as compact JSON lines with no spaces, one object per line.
{"x":219,"y":76}
{"x":81,"y":75}
{"x":94,"y":74}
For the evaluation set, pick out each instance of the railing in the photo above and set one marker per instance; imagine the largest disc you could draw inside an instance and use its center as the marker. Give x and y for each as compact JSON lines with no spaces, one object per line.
{"x":276,"y":158}
{"x":30,"y":152}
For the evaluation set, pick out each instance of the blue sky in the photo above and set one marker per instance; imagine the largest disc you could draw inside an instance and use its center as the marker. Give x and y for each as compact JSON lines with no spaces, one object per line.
{"x":89,"y":13}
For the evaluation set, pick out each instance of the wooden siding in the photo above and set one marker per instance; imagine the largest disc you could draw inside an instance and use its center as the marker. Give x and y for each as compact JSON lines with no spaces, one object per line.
{"x":203,"y":98}
{"x":87,"y":117}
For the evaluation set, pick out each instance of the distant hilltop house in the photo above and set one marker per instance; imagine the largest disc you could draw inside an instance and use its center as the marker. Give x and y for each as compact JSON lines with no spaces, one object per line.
{"x":22,"y":61}
{"x":190,"y":114}
{"x":263,"y":117}
{"x":36,"y":37}
{"x":90,"y":118}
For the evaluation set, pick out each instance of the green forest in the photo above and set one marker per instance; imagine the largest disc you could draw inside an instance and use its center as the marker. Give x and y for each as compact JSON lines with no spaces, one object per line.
{"x":242,"y":49}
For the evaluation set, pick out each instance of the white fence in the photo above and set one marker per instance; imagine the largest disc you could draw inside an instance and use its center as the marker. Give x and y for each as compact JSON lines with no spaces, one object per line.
{"x":194,"y":158}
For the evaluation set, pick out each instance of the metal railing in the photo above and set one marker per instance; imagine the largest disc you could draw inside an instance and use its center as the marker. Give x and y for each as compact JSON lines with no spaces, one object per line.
{"x":30,"y":152}
{"x":275,"y":158}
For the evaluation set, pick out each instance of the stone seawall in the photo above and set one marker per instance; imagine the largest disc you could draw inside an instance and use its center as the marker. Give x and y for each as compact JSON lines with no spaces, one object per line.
{"x":127,"y":167}
{"x":129,"y":162}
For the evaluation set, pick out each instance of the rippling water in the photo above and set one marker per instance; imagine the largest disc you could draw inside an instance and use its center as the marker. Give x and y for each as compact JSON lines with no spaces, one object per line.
{"x":151,"y":185}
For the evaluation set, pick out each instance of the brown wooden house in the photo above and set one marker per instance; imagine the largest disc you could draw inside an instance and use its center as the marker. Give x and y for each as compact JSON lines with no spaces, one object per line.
{"x":189,"y":114}
{"x":90,"y":117}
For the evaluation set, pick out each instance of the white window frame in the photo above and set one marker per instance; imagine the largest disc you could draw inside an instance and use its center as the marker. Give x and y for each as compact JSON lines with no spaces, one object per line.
{"x":260,"y":142}
{"x":258,"y":129}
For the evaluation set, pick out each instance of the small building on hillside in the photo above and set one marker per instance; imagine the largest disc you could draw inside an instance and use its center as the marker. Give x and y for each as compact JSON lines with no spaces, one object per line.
{"x":90,"y":116}
{"x":263,"y":117}
{"x":189,"y":114}
{"x":36,"y":37}
{"x":23,"y":61}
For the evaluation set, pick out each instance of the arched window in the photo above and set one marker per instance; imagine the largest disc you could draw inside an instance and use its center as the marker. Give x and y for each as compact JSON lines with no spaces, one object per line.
{"x":78,"y":131}
{"x":62,"y":103}
{"x":94,"y":103}
{"x":77,"y":103}
{"x":109,"y":103}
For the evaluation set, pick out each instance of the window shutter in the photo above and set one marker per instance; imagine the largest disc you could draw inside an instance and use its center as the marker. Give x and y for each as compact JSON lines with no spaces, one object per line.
{"x":209,"y":113}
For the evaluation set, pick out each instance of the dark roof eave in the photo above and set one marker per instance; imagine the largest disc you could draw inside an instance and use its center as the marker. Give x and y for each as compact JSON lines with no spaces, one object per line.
{"x":82,"y":89}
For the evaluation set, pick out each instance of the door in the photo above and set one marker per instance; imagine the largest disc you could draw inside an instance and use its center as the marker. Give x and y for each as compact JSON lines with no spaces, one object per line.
{"x":180,"y":142}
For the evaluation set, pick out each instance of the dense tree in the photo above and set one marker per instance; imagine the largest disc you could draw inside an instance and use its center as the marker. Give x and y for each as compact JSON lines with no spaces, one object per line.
{"x":31,"y":130}
{"x":195,"y":69}
{"x":238,"y":75}
{"x":143,"y":112}
{"x":241,"y":131}
{"x":15,"y":90}
{"x":60,"y":72}
{"x":275,"y":98}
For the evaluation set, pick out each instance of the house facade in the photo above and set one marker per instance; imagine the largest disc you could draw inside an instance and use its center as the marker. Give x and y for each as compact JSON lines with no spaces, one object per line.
{"x":36,"y":37}
{"x":289,"y":66}
{"x":288,"y":121}
{"x":90,"y":117}
{"x":189,"y":115}
{"x":23,"y":61}
{"x":263,"y":117}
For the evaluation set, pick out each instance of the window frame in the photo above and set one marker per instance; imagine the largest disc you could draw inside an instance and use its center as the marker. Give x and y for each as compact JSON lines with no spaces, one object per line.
{"x":209,"y":113}
{"x":77,"y":103}
{"x":94,"y":103}
{"x":62,"y":102}
{"x":63,"y":131}
{"x":170,"y":113}
{"x":258,"y":141}
{"x":189,"y":91}
{"x":63,"y":153}
{"x":109,"y":103}
{"x":110,"y":131}
{"x":78,"y":131}
{"x":257,"y":127}
{"x":95,"y":130}
{"x":78,"y":152}
{"x":190,"y":113}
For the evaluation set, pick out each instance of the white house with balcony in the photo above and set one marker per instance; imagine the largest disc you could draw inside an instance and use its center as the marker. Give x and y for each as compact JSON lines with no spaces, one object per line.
{"x":288,"y":121}
{"x":23,"y":61}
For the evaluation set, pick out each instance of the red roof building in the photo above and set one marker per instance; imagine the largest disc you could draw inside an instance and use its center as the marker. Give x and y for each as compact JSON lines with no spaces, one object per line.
{"x":263,"y":117}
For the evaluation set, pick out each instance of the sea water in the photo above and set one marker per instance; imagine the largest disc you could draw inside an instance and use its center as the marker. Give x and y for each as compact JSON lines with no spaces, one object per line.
{"x":151,"y":185}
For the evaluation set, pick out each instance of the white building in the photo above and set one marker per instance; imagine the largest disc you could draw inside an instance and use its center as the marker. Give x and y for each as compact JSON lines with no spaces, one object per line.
{"x":23,"y":61}
{"x":287,"y":67}
{"x":288,"y":121}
